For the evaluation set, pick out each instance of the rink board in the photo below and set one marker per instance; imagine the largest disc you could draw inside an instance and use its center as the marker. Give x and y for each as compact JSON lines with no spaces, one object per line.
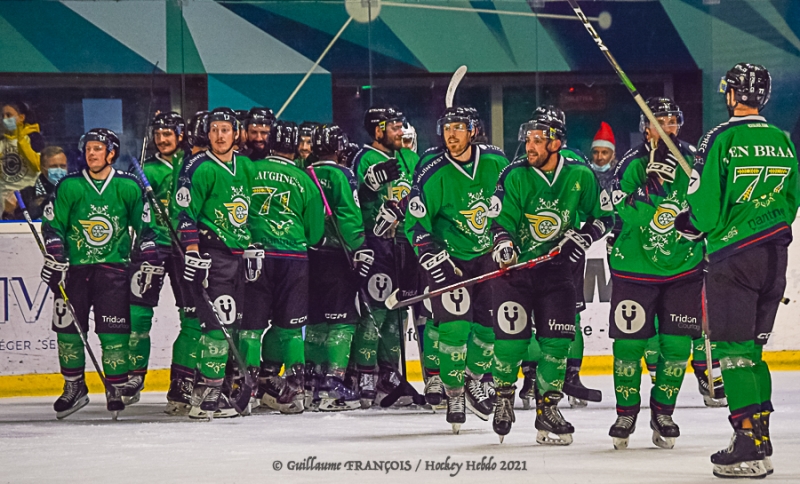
{"x":28,"y":346}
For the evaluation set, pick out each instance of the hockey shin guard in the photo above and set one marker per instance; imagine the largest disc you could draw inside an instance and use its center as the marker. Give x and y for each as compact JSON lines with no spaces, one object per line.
{"x":250,"y":346}
{"x":389,"y":343}
{"x":291,"y":341}
{"x":185,"y":349}
{"x":365,"y":345}
{"x":763,"y":376}
{"x":139,"y":344}
{"x":675,"y":351}
{"x":508,"y":355}
{"x":115,"y":356}
{"x":453,"y":352}
{"x":340,"y":338}
{"x":430,"y":360}
{"x":576,"y":347}
{"x":628,"y":374}
{"x":553,"y":364}
{"x":314,"y":346}
{"x":742,"y":387}
{"x":213,"y":355}
{"x":480,"y":350}
{"x":271,"y":350}
{"x":534,"y":350}
{"x":71,"y":355}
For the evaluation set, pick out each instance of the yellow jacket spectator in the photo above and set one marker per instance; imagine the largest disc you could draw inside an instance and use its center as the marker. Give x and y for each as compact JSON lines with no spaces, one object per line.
{"x":20,"y":145}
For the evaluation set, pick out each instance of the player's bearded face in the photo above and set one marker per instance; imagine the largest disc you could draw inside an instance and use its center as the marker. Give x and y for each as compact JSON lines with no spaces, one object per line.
{"x":257,"y":136}
{"x":220,"y":134}
{"x":96,"y":156}
{"x":456,"y":137}
{"x":166,"y":141}
{"x":392,"y":136}
{"x":536,"y":147}
{"x":304,"y":148}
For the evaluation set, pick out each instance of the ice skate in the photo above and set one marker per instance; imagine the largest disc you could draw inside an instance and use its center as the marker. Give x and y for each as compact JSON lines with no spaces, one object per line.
{"x":225,"y":408}
{"x":766,"y":441}
{"x":478,"y":400}
{"x":665,"y":431}
{"x":456,"y":409}
{"x":179,"y":396}
{"x":434,"y":391}
{"x":528,"y":391}
{"x":621,"y":431}
{"x":205,"y":402}
{"x":553,"y":429}
{"x":270,"y":384}
{"x":131,"y":390}
{"x":114,"y":403}
{"x":718,"y":398}
{"x":74,"y":398}
{"x":291,"y":399}
{"x":366,"y":388}
{"x":336,"y":397}
{"x":313,"y":379}
{"x":504,"y":411}
{"x":744,"y":457}
{"x":388,"y":381}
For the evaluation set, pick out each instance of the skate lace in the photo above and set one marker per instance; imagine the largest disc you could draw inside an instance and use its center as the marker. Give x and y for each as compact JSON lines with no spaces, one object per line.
{"x":476,"y":389}
{"x":554,"y":414}
{"x":366,"y":381}
{"x":212,"y":395}
{"x":434,"y":385}
{"x":505,"y":406}
{"x":488,"y":388}
{"x":456,"y":405}
{"x":71,"y":389}
{"x":624,"y":421}
{"x":665,"y":420}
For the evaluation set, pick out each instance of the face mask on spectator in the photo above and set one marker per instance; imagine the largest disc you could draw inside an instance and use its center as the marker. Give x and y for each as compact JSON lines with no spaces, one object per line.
{"x":601,"y":169}
{"x":56,"y":174}
{"x":10,"y":123}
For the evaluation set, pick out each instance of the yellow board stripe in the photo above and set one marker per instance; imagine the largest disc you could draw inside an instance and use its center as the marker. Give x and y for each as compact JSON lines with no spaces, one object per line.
{"x":39,"y":384}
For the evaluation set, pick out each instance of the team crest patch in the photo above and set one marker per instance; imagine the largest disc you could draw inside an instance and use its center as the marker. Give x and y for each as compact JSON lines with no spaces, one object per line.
{"x":477,"y":217}
{"x":237,"y":211}
{"x":544,"y":225}
{"x":664,"y":218}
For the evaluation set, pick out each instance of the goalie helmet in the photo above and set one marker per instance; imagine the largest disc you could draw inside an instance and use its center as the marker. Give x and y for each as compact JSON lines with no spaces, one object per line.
{"x":284,"y":137}
{"x":548,"y":119}
{"x":378,"y":116}
{"x":327,"y":140}
{"x":103,"y":135}
{"x":751,"y":84}
{"x":661,"y":106}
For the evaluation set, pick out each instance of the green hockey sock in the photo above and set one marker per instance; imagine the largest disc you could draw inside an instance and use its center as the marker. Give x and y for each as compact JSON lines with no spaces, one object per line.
{"x":453,"y":352}
{"x":116,"y":359}
{"x":71,"y":355}
{"x":139,"y":343}
{"x":508,"y":355}
{"x":250,"y":346}
{"x":291,"y":341}
{"x":742,"y":387}
{"x":213,"y":355}
{"x":652,"y":353}
{"x":430,"y":342}
{"x":553,"y":364}
{"x":763,"y":376}
{"x":389,"y":343}
{"x":480,"y":349}
{"x":671,"y":369}
{"x":184,"y":350}
{"x":315,"y":350}
{"x":340,"y":338}
{"x":628,"y":371}
{"x":365,"y":345}
{"x":271,"y":350}
{"x":576,"y":347}
{"x":534,"y":350}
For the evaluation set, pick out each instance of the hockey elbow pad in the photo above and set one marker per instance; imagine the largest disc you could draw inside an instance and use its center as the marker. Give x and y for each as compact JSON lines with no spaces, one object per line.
{"x":380,"y":173}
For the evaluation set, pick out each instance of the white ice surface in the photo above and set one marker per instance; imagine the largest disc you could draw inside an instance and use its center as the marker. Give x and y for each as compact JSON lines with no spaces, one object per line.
{"x":147,"y":446}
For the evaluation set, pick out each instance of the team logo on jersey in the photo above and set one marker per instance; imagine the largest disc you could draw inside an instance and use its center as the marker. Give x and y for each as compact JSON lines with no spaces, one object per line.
{"x":13,"y":168}
{"x":49,"y":214}
{"x":456,"y":302}
{"x":544,"y":225}
{"x":379,"y":286}
{"x":400,"y":190}
{"x":629,"y":316}
{"x":97,"y":230}
{"x":664,"y":218}
{"x":511,"y":317}
{"x":237,"y":211}
{"x":477,"y":217}
{"x":183,"y":198}
{"x":225,"y":307}
{"x":416,"y":207}
{"x":61,"y":315}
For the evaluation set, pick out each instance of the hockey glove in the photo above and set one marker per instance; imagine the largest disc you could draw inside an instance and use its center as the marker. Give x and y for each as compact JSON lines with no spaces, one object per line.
{"x":441,"y":269}
{"x":685,"y":227}
{"x":54,"y":272}
{"x":380,"y":173}
{"x":662,"y":162}
{"x":195,"y":267}
{"x":145,"y":279}
{"x":362,"y":261}
{"x":148,"y":252}
{"x":253,"y":263}
{"x":504,"y":253}
{"x":575,"y":244}
{"x":389,"y":215}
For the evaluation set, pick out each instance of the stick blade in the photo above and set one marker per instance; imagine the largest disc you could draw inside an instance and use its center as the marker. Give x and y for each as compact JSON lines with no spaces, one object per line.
{"x":454,"y":82}
{"x":392,"y":301}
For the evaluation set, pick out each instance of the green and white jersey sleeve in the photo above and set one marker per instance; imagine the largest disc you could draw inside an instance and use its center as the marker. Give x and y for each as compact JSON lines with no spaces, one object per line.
{"x":341,"y":191}
{"x":371,"y":201}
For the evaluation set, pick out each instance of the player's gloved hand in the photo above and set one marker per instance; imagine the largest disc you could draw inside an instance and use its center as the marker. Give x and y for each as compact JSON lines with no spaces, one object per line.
{"x":389,"y":215}
{"x":195,"y":267}
{"x":362,"y":261}
{"x":147,"y":271}
{"x":685,"y":227}
{"x":610,"y":244}
{"x":574,"y":244}
{"x":441,"y":269}
{"x":54,"y":272}
{"x":662,"y":162}
{"x":504,"y":253}
{"x":253,"y":263}
{"x":380,"y":173}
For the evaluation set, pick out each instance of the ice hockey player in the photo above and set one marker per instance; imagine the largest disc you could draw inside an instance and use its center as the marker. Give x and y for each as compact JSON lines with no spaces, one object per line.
{"x":257,"y":125}
{"x":449,"y":210}
{"x":167,"y":132}
{"x":86,"y":234}
{"x":213,"y":199}
{"x":336,"y":272}
{"x":655,"y":273}
{"x":304,"y":145}
{"x":196,"y":130}
{"x":541,"y":201}
{"x":286,"y":217}
{"x":384,"y":170}
{"x":743,"y":198}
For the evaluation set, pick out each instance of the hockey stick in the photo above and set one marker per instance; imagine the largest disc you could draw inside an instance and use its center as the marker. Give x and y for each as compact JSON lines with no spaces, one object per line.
{"x":84,"y":337}
{"x":631,"y":88}
{"x":243,"y":399}
{"x":707,"y":339}
{"x":149,"y":107}
{"x":406,"y":387}
{"x":454,"y":82}
{"x":393,"y":303}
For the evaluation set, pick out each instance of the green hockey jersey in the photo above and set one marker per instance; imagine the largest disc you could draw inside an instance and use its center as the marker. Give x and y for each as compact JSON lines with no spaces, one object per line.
{"x":341,"y":192}
{"x":744,"y":187}
{"x":215,"y":195}
{"x":286,"y":213}
{"x":648,"y":249}
{"x":371,"y":201}
{"x":451,"y":205}
{"x":88,"y":221}
{"x":160,"y":174}
{"x":537,"y":208}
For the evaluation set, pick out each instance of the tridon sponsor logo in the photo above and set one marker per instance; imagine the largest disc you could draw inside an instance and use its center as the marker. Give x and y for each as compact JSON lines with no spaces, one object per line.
{"x":237,"y":211}
{"x":97,"y":230}
{"x":664,"y":218}
{"x":544,"y":225}
{"x":477,"y":217}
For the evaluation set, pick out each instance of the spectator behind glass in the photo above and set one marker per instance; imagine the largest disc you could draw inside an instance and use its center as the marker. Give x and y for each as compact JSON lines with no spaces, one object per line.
{"x":54,"y":168}
{"x":20,"y":145}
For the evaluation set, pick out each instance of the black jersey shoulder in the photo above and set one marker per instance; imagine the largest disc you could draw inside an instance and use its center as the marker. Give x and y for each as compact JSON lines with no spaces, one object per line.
{"x":516,"y":164}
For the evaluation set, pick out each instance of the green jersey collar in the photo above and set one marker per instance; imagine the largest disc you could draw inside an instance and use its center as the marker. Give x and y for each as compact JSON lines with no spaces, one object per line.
{"x":555,"y":176}
{"x":385,"y":154}
{"x":281,"y":159}
{"x":324,"y":162}
{"x":475,"y":158}
{"x":168,"y":163}
{"x":222,"y":163}
{"x":94,"y":187}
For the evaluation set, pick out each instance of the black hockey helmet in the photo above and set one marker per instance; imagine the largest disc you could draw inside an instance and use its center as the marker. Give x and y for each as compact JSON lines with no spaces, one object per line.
{"x":456,"y":114}
{"x":262,"y":116}
{"x":284,"y":137}
{"x":378,"y":116}
{"x":306,"y":128}
{"x":751,"y":84}
{"x":171,"y":120}
{"x":222,"y":114}
{"x":196,"y":129}
{"x":103,"y":135}
{"x":549,"y":119}
{"x":241,"y":115}
{"x":348,"y":154}
{"x":327,"y":140}
{"x":661,"y":106}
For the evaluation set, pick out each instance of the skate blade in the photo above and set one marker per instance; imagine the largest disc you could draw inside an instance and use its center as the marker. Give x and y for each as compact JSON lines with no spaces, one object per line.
{"x":620,"y":443}
{"x":227,"y":413}
{"x":544,"y":437}
{"x":115,"y":415}
{"x":456,"y":428}
{"x":270,"y":402}
{"x":577,"y":402}
{"x":714,"y":402}
{"x":78,"y":405}
{"x":501,"y":438}
{"x":366,"y":403}
{"x":133,"y":399}
{"x":254,"y":403}
{"x":196,"y":413}
{"x":526,"y":403}
{"x":768,"y":465}
{"x":330,"y":405}
{"x":753,"y":469}
{"x":295,"y":407}
{"x":177,"y":409}
{"x":663,"y":442}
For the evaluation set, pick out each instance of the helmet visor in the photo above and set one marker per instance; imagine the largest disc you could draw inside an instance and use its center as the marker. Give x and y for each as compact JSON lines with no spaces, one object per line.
{"x":525,"y":128}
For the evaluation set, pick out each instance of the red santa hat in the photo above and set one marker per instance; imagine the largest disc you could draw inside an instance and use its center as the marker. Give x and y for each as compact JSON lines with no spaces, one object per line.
{"x":604,"y":137}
